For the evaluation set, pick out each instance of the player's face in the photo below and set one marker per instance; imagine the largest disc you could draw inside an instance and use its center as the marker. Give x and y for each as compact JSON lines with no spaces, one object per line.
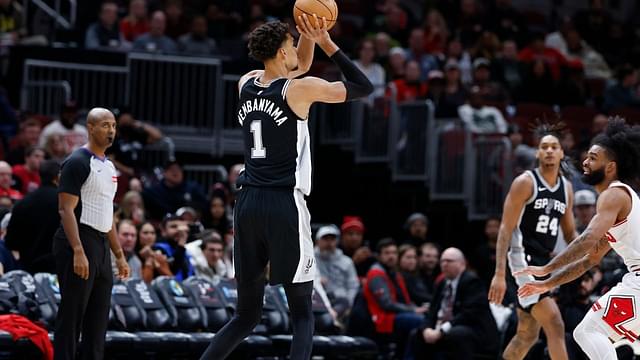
{"x":549,"y":151}
{"x":594,"y":165}
{"x":291,"y":58}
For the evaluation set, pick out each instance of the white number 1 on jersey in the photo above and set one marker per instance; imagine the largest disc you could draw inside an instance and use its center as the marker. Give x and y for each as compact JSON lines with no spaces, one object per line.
{"x":258,"y":151}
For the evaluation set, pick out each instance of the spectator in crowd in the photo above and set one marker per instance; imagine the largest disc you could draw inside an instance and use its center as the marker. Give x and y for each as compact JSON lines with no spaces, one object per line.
{"x":416,"y":52}
{"x":387,"y":297}
{"x":133,"y":136}
{"x":457,"y":52}
{"x":408,"y":267}
{"x":374,"y":71}
{"x":105,"y":33}
{"x":156,"y":40}
{"x":217,"y":218}
{"x":207,"y":255}
{"x":353,"y":245}
{"x":192,"y":219}
{"x":575,"y":48}
{"x":417,"y":227}
{"x":136,"y":22}
{"x":198,"y":42}
{"x":175,"y":233}
{"x":7,"y":261}
{"x":396,"y":64}
{"x":436,"y":33}
{"x":469,"y":22}
{"x":573,"y":88}
{"x":172,"y":193}
{"x":428,"y":265}
{"x":6,"y":180}
{"x":410,"y":88}
{"x":131,"y":208}
{"x":537,"y":50}
{"x":27,"y":176}
{"x":479,"y":118}
{"x":177,"y":23}
{"x":460,"y":322}
{"x":127,"y":234}
{"x":33,"y":243}
{"x":55,"y":147}
{"x":337,"y":272}
{"x":523,"y":155}
{"x":488,"y":46}
{"x":584,"y":208}
{"x":11,"y":23}
{"x":540,"y":87}
{"x":154,"y":262}
{"x":504,"y":20}
{"x":75,"y":135}
{"x":489,"y":89}
{"x":594,"y":23}
{"x":508,"y":68}
{"x":622,"y":92}
{"x":28,"y":135}
{"x":454,"y":92}
{"x":383,"y":44}
{"x":483,"y":260}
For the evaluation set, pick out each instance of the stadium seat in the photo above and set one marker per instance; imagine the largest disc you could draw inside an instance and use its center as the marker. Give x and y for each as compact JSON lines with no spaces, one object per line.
{"x":185,"y":313}
{"x":154,"y":315}
{"x":48,"y":296}
{"x":534,"y":111}
{"x":25,"y":287}
{"x":8,"y":297}
{"x":578,"y":119}
{"x":210,"y":300}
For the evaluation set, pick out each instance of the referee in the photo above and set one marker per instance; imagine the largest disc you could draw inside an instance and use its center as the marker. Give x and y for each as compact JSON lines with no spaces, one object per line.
{"x":88,"y":183}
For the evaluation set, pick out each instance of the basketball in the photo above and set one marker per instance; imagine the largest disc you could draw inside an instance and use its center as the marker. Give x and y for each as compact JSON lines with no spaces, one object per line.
{"x":322,"y":8}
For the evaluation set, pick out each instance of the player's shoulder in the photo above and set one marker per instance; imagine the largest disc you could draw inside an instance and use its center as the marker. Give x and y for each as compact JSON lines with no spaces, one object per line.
{"x":615,"y":194}
{"x":250,"y":75}
{"x":522,"y":186}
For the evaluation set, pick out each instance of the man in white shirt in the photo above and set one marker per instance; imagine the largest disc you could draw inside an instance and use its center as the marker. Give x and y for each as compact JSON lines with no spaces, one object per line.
{"x":75,"y":135}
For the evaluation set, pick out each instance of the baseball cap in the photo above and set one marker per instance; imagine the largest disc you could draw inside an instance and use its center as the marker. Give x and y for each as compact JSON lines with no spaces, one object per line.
{"x":415,"y":217}
{"x":328,"y":230}
{"x":480,"y":62}
{"x":435,"y":74}
{"x":584,"y":197}
{"x":352,"y":222}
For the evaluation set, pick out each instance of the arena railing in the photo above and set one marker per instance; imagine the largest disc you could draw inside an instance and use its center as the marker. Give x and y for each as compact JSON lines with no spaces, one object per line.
{"x":181,"y":95}
{"x":206,"y":175}
{"x":373,"y":128}
{"x":448,"y":164}
{"x":46,"y":96}
{"x":410,"y":141}
{"x":490,"y":175}
{"x":89,"y":84}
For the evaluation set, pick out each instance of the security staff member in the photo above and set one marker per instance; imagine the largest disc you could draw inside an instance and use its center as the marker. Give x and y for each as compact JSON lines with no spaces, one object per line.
{"x":88,"y":184}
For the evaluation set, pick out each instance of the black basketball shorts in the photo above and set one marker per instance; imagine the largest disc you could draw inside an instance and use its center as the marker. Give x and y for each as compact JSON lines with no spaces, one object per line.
{"x":272,"y":225}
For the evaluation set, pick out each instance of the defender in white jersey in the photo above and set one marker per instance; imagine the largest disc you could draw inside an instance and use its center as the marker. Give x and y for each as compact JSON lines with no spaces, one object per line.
{"x":612,"y":163}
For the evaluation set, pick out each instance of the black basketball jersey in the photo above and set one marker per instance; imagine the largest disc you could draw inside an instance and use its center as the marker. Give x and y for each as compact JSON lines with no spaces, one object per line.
{"x":539,"y":224}
{"x":276,"y":141}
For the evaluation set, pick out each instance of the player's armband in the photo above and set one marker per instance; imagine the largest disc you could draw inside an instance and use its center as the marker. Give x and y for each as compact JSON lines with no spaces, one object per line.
{"x":356,"y":83}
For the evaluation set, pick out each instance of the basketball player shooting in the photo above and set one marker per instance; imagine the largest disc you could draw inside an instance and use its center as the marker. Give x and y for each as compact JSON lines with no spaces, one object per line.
{"x":613,"y":162}
{"x":271,"y":220}
{"x":537,"y":206}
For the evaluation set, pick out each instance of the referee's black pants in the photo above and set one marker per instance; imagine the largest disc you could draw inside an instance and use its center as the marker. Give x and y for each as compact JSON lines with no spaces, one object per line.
{"x":84,"y":307}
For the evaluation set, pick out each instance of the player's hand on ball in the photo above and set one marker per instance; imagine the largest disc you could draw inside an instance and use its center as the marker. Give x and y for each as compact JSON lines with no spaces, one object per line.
{"x":533,"y":288}
{"x":81,"y":265}
{"x":313,"y":28}
{"x":532,"y":270}
{"x":123,"y":268}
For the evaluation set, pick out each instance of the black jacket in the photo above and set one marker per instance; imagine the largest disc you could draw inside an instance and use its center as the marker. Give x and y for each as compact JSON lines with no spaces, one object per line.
{"x":470,"y":308}
{"x":34,"y":221}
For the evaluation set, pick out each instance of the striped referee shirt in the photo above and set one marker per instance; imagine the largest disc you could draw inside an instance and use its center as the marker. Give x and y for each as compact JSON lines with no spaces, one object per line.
{"x":93,"y":179}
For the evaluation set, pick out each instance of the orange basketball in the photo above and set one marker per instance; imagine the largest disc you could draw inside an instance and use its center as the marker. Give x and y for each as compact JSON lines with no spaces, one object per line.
{"x":322,"y":8}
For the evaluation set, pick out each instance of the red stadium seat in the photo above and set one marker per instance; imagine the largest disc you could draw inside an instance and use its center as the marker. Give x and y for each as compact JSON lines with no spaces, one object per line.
{"x":578,"y":118}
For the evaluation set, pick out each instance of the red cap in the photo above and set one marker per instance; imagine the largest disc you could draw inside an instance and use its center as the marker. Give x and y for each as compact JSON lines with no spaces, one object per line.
{"x":353,"y":223}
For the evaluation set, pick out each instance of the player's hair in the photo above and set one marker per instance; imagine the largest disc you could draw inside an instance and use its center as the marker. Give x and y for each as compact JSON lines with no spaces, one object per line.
{"x":266,"y":39}
{"x":544,"y":127}
{"x":622,"y":145}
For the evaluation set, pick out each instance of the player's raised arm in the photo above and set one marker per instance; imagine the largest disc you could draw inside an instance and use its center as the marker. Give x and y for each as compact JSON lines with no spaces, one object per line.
{"x":521,"y":190}
{"x":310,"y":89}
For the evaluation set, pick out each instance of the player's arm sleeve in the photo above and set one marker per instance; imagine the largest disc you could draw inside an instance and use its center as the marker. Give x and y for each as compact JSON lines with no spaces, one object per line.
{"x":73,"y":174}
{"x":357,"y":83}
{"x":379,"y":288}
